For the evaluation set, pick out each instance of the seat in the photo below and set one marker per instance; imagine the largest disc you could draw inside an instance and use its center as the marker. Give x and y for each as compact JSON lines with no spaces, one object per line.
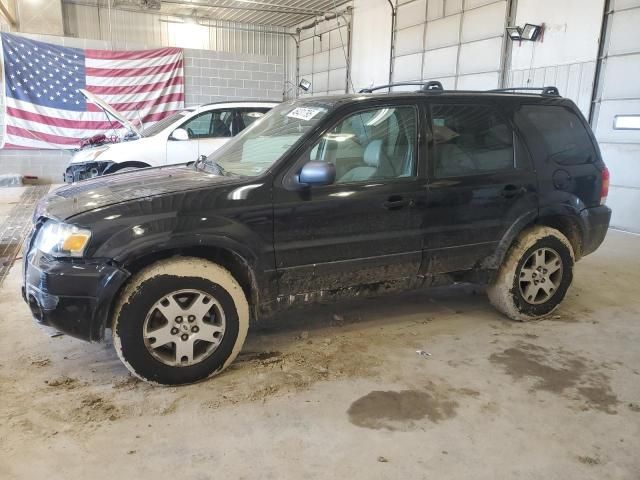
{"x":220,"y":129}
{"x":375,"y":160}
{"x":237,"y":124}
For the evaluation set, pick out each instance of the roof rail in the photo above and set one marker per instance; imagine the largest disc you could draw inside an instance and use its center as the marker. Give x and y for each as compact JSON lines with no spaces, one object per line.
{"x":426,"y":86}
{"x":551,"y":91}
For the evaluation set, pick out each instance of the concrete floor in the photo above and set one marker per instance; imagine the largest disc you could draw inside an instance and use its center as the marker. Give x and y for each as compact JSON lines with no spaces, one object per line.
{"x":340,"y":392}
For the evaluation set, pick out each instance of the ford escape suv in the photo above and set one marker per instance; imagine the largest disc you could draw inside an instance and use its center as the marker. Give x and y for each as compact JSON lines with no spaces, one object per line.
{"x":322,"y":198}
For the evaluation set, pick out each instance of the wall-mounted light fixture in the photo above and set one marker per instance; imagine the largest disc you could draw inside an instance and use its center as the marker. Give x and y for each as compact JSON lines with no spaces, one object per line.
{"x":529,"y":32}
{"x":305,"y":84}
{"x":515,"y":33}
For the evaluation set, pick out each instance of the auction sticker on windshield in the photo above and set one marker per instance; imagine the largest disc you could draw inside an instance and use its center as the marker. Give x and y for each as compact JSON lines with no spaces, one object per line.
{"x":303,"y":113}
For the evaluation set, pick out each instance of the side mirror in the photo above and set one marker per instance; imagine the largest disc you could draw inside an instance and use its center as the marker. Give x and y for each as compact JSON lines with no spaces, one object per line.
{"x":179,"y":134}
{"x":317,"y":174}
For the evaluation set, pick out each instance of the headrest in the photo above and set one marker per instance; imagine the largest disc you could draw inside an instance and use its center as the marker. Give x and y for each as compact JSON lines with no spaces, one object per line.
{"x":373,"y":153}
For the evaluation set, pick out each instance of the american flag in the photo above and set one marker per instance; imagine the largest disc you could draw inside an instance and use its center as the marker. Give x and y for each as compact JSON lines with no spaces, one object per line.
{"x":45,"y":110}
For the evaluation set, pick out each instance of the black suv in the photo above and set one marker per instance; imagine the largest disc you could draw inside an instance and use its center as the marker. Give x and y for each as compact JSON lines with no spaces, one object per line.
{"x":322,"y":198}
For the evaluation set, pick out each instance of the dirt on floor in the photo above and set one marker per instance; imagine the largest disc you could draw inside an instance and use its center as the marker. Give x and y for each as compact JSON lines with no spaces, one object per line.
{"x":432,"y":384}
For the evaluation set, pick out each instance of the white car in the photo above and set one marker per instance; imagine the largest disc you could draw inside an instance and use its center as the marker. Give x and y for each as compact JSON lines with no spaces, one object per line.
{"x":180,"y":138}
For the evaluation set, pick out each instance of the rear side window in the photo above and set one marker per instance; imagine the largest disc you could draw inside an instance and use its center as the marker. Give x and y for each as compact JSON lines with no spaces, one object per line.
{"x":564,"y":136}
{"x":469,"y":140}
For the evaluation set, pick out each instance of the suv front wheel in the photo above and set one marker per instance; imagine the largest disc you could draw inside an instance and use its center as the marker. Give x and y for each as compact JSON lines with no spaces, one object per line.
{"x":180,"y":321}
{"x":534,"y":276}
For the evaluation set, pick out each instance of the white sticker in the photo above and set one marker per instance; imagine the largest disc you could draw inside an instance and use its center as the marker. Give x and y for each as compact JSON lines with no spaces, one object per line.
{"x":304,"y":113}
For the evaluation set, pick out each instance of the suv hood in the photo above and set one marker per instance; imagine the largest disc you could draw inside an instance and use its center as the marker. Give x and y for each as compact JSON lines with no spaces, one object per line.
{"x":68,"y":201}
{"x":110,"y":111}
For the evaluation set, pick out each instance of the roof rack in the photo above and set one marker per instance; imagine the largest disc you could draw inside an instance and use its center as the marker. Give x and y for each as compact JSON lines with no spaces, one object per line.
{"x":426,"y":86}
{"x":551,"y":91}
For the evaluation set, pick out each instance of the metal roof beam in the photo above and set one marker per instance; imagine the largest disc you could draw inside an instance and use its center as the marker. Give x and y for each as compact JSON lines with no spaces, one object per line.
{"x":259,"y":7}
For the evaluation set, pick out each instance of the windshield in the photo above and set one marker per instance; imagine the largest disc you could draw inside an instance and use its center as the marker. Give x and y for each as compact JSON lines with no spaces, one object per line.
{"x":157,"y":127}
{"x":258,"y":147}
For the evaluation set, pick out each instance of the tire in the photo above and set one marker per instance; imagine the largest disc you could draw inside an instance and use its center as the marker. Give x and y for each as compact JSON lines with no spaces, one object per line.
{"x":540,"y":254}
{"x":207,"y":339}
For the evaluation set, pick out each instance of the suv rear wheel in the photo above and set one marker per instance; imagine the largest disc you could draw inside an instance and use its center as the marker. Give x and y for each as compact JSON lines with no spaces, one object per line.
{"x":534,"y":276}
{"x":180,"y":321}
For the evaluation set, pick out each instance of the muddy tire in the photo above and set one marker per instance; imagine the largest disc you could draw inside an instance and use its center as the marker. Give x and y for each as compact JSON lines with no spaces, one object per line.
{"x":534,"y":276}
{"x":180,"y":321}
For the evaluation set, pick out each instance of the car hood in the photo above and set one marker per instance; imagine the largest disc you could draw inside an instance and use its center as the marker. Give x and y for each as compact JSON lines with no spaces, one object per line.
{"x":70,"y":200}
{"x":110,"y":111}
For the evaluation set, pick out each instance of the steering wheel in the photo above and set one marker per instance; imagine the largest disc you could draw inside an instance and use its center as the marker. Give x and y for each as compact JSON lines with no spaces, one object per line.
{"x":191,"y":133}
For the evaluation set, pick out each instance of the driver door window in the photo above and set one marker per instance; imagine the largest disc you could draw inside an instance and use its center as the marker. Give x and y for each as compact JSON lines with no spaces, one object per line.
{"x":221,"y":123}
{"x":372,"y":145}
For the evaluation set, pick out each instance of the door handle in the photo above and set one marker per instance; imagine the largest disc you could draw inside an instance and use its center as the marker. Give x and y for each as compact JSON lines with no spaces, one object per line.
{"x":511,"y":191}
{"x":396,"y":202}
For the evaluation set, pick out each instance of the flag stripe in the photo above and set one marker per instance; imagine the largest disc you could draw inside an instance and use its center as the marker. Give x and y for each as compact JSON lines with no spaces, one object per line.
{"x":132,"y":106}
{"x":125,"y":98}
{"x":40,"y":123}
{"x":21,"y":136}
{"x":45,"y":137}
{"x":145,"y":62}
{"x":135,"y":88}
{"x":84,"y":116}
{"x":133,"y":72}
{"x":124,"y":81}
{"x":131,"y":55}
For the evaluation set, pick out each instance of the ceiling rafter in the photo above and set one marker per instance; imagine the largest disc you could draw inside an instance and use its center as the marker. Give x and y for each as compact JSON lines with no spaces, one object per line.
{"x":282,"y":13}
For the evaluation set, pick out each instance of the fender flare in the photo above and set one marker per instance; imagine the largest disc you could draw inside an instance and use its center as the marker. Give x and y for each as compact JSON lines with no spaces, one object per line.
{"x":495,"y":260}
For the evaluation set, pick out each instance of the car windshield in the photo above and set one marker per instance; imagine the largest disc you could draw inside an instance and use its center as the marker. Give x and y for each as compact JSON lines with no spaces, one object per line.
{"x":157,"y":127}
{"x":259,"y":146}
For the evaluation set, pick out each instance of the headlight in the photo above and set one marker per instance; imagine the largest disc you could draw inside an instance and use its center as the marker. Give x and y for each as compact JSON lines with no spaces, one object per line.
{"x":62,"y":240}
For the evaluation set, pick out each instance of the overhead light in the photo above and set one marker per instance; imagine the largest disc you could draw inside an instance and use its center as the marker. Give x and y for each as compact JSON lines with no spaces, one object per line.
{"x":305,"y":85}
{"x":515,"y":33}
{"x":530,"y":32}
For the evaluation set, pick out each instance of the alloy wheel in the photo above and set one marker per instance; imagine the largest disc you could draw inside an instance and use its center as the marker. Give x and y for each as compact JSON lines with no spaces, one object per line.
{"x":184,"y":327}
{"x":540,"y":276}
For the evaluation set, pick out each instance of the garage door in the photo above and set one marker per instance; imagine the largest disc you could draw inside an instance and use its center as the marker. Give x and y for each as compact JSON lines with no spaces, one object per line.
{"x":322,"y":57}
{"x":458,"y":42}
{"x":617,"y":111}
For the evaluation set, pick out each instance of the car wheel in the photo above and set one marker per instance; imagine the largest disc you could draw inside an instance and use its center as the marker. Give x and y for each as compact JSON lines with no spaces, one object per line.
{"x":180,"y":321}
{"x":534,"y":276}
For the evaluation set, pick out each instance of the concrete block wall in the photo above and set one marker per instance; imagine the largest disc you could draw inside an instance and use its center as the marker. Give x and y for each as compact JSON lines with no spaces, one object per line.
{"x":221,"y":76}
{"x":210,"y":76}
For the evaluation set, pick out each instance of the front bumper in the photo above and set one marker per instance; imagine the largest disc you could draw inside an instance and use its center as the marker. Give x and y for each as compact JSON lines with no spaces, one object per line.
{"x":74,"y":297}
{"x":596,"y":221}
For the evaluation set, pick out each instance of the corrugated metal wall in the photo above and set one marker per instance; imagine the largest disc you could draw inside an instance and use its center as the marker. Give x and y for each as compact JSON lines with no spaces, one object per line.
{"x":148,"y":30}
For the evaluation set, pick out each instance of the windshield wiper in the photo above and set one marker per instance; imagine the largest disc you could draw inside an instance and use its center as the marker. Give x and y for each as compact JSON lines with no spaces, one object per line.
{"x":201,"y":159}
{"x":217,"y":168}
